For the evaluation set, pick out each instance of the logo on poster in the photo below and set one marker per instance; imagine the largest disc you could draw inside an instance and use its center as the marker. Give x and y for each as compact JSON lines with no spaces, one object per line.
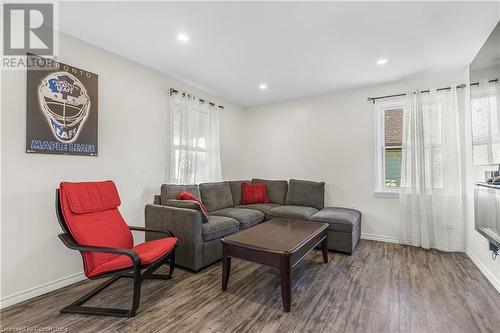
{"x":66,"y":104}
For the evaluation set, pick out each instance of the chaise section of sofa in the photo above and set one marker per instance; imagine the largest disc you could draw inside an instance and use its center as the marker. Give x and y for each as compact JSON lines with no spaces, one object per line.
{"x":344,"y":228}
{"x":305,"y":201}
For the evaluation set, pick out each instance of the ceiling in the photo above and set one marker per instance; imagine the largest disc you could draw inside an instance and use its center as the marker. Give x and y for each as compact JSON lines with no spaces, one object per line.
{"x":489,"y":55}
{"x":296,"y":48}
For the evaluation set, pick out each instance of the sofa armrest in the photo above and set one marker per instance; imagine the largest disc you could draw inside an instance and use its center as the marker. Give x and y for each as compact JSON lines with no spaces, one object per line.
{"x":185,"y":224}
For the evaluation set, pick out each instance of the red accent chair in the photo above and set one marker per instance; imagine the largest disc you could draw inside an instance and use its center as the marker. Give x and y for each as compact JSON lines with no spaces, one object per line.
{"x":88,"y":213}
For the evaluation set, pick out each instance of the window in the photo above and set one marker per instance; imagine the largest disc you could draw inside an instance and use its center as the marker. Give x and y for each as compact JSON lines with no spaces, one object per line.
{"x":194,"y":138}
{"x":189,"y":144}
{"x":389,"y":131}
{"x":485,"y":123}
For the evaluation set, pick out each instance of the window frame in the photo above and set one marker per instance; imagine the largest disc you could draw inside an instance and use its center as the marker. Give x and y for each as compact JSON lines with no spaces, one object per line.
{"x":380,"y":107}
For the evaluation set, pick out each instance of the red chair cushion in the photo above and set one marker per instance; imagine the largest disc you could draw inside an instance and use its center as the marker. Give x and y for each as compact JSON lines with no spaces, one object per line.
{"x":184,"y":195}
{"x":254,"y":193}
{"x":149,"y":252}
{"x":91,"y":197}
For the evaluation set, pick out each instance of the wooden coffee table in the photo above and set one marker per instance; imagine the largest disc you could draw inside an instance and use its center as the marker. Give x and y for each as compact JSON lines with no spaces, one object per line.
{"x":280,"y":243}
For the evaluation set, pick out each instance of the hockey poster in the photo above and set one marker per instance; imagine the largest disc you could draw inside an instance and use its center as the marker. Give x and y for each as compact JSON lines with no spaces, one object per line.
{"x":61,"y":102}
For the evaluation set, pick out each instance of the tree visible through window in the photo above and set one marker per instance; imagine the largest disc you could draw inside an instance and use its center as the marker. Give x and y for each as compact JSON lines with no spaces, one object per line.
{"x":393,"y":140}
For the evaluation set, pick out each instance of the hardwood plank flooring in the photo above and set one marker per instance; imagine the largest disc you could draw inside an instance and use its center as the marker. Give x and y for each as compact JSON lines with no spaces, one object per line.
{"x":381,"y":288}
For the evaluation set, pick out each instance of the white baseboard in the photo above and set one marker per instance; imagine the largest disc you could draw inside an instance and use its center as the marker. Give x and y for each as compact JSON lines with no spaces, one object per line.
{"x":40,"y":290}
{"x":486,"y":272}
{"x":395,"y":240}
{"x":380,"y":238}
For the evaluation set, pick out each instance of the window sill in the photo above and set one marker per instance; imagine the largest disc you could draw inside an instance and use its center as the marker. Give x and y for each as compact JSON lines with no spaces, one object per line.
{"x":386,"y":194}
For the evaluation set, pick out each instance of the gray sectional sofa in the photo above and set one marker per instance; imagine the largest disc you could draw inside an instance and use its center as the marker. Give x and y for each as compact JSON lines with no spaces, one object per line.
{"x":199,"y":234}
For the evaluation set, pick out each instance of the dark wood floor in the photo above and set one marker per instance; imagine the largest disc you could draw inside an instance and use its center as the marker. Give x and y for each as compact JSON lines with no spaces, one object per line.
{"x":381,"y":288}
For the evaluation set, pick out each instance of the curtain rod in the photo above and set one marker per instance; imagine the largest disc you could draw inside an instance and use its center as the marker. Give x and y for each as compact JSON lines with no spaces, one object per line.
{"x":175,"y":92}
{"x":463,"y":85}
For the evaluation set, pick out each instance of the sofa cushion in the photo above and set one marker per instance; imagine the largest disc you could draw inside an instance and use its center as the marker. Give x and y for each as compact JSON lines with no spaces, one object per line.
{"x":170,"y":191}
{"x":235,"y":186}
{"x":188,"y":204}
{"x":292,"y":212}
{"x":276,"y":189}
{"x":254,"y":193}
{"x":263,"y":207}
{"x":216,"y":195}
{"x":217,"y":227}
{"x":306,"y":193}
{"x":246,"y":217}
{"x":339,"y":219}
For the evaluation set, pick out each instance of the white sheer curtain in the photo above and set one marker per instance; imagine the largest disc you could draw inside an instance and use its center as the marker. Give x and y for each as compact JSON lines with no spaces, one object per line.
{"x":431,"y":175}
{"x":194,"y":148}
{"x":485,"y":122}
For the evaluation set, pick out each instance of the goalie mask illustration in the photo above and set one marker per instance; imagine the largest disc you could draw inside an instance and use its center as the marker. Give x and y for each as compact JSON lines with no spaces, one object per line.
{"x":65,"y":103}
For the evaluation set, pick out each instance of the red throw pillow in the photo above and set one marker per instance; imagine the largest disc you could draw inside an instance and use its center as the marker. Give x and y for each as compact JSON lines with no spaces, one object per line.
{"x":254,"y":193}
{"x":184,"y":195}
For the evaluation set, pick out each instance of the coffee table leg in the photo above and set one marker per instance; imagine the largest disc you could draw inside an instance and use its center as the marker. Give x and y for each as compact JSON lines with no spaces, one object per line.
{"x":286,"y":285}
{"x":226,"y":268}
{"x":324,"y":249}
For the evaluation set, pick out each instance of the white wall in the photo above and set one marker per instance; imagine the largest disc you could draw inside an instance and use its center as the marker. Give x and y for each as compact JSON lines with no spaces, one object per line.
{"x":477,"y":245}
{"x":133,"y":108}
{"x":331,"y":138}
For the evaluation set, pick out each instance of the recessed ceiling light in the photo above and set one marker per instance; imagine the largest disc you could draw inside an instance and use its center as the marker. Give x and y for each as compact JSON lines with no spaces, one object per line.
{"x":262,"y":86}
{"x":183,"y":38}
{"x":382,"y":61}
